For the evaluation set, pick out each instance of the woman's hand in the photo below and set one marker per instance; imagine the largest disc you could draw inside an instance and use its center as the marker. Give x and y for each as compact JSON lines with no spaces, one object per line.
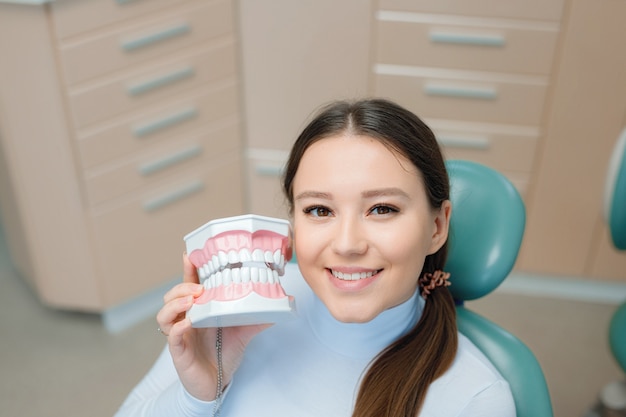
{"x":193,"y":350}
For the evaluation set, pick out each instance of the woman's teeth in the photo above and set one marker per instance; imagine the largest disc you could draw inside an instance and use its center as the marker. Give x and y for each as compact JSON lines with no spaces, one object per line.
{"x":353,"y":276}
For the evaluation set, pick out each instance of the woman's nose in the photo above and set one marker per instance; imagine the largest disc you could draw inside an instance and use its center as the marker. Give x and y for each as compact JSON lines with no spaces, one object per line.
{"x":350,"y":237}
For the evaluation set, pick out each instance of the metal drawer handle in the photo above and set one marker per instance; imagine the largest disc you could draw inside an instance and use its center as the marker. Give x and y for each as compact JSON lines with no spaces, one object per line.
{"x":165,"y":122}
{"x":159,"y":81}
{"x":169,"y":160}
{"x":269,"y":170}
{"x":464,"y":142}
{"x":467,"y":39}
{"x":155,"y":37}
{"x":482,"y":93}
{"x":173,"y":196}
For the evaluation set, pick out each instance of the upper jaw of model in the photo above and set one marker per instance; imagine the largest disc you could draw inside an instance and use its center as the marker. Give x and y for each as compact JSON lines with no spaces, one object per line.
{"x":239,"y":261}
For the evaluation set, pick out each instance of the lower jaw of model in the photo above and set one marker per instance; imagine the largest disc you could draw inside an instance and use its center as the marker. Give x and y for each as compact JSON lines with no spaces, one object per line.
{"x":240,"y":261}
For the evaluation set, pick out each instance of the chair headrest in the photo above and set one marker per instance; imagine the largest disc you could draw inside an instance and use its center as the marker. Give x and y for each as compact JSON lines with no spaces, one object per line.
{"x":615,"y":193}
{"x":486,"y":229}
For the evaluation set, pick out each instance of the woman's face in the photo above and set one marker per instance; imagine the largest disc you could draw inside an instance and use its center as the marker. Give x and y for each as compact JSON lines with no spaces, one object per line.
{"x":362,"y":225}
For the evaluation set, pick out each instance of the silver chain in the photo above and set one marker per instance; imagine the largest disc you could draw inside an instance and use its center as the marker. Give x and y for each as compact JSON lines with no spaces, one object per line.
{"x":220,"y":373}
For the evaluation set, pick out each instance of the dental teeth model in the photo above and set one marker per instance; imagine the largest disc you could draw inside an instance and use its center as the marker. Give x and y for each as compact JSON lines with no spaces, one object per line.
{"x":239,"y":261}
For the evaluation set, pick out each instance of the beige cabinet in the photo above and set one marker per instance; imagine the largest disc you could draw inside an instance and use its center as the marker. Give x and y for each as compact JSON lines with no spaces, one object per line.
{"x":120,"y":131}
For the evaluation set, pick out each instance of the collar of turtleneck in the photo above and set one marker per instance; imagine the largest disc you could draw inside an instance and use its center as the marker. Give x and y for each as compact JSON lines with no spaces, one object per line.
{"x":364,"y":340}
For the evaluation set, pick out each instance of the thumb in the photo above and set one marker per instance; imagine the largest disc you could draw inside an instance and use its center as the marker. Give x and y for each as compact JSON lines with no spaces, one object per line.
{"x":190,"y":273}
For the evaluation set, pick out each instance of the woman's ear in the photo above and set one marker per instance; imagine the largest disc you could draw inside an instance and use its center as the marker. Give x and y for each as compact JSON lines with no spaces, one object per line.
{"x":441,"y":226}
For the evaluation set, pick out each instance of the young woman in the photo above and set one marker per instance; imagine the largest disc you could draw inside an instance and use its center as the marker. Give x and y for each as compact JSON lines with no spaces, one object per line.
{"x":376,"y":331}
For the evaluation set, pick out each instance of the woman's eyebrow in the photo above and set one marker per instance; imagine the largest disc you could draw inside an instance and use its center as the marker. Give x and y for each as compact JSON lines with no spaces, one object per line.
{"x":313,"y":194}
{"x":385,"y":192}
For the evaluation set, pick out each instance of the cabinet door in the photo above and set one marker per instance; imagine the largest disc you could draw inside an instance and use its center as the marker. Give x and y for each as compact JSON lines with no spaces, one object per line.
{"x":296,"y":57}
{"x":585,"y":118}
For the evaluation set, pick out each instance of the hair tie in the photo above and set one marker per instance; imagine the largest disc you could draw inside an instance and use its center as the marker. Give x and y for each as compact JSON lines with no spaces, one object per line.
{"x":430,"y":281}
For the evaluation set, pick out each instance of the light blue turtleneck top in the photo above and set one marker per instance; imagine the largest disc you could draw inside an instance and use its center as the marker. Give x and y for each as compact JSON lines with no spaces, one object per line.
{"x":312,"y":366}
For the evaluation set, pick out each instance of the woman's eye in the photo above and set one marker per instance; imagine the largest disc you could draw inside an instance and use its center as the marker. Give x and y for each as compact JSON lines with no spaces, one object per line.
{"x":317,"y":211}
{"x":383,"y":209}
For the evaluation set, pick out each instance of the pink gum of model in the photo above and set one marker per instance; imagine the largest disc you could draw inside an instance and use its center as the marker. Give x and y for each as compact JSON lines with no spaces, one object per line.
{"x":236,"y":240}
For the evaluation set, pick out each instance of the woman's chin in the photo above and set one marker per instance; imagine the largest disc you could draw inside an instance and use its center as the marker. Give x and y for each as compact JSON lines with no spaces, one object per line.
{"x":351,"y":316}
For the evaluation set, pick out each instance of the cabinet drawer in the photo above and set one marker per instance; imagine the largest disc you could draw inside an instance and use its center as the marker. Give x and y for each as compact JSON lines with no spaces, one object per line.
{"x":147,"y":85}
{"x":518,"y":9}
{"x":496,"y":48}
{"x":138,"y":245}
{"x":123,"y":47}
{"x":490,"y":101}
{"x":200,"y":149}
{"x":141,"y":131}
{"x":504,"y":148}
{"x":74,"y":17}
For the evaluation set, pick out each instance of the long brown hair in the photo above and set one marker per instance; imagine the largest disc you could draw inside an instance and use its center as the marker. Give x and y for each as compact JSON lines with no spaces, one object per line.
{"x":396,"y":382}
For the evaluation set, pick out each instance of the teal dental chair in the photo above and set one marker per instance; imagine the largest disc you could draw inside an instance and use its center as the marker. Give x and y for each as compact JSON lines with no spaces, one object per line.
{"x":487,"y":226}
{"x":615,"y":193}
{"x":615,"y":215}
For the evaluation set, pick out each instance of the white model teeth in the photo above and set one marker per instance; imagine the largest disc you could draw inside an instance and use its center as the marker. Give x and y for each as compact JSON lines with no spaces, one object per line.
{"x":354,"y":276}
{"x":233,"y":260}
{"x":242,"y":275}
{"x":233,"y":257}
{"x":236,"y":275}
{"x":223,"y":258}
{"x":257,"y":255}
{"x":245,"y":255}
{"x":279,"y":258}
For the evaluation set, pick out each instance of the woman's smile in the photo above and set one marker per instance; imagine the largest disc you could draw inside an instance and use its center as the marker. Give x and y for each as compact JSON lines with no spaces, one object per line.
{"x":353,"y":276}
{"x":351,"y":280}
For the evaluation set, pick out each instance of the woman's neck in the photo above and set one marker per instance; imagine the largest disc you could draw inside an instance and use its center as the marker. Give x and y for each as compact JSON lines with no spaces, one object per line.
{"x":364,"y":340}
